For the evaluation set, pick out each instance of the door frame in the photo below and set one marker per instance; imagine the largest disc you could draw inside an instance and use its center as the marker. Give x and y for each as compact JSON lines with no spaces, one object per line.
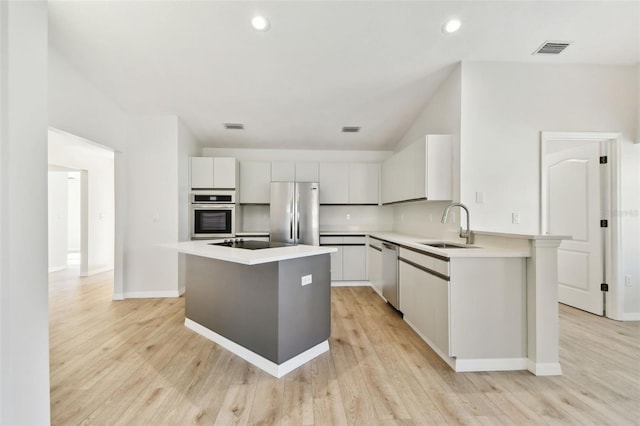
{"x":611,"y":203}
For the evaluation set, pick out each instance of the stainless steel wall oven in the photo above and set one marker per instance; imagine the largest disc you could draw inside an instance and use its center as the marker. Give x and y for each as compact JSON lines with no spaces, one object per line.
{"x":213,"y":214}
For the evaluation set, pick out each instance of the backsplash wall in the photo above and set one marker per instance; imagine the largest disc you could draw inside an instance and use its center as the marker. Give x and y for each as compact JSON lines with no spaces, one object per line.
{"x":423,"y":219}
{"x":255,"y":218}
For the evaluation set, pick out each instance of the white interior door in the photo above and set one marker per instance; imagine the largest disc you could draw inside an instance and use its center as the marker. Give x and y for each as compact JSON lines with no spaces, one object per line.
{"x":573,"y":208}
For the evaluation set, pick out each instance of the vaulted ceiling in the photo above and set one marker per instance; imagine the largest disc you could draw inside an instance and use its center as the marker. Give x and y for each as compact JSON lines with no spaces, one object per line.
{"x":321,"y":65}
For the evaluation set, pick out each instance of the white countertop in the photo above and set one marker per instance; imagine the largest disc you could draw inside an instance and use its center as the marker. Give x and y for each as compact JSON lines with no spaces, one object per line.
{"x":472,"y":251}
{"x":204,"y":248}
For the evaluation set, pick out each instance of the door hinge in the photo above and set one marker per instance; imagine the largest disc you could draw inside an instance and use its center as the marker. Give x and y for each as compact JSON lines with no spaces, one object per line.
{"x":604,"y":159}
{"x":604,"y":287}
{"x":604,"y":223}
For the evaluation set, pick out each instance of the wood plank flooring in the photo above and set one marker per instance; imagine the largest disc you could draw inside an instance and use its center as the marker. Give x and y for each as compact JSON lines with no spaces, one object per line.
{"x":133,"y":362}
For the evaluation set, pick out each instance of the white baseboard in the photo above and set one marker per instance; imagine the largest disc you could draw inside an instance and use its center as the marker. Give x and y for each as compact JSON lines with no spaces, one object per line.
{"x":544,"y":368}
{"x":149,"y":294}
{"x":99,"y":270}
{"x":117,"y":296}
{"x":276,"y":370}
{"x":470,"y":365}
{"x":633,"y":316}
{"x":491,"y":364}
{"x":350,"y":284}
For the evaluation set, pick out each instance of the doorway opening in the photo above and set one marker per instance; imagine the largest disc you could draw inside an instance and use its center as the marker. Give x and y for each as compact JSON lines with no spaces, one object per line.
{"x":81,"y":205}
{"x":579,"y":181}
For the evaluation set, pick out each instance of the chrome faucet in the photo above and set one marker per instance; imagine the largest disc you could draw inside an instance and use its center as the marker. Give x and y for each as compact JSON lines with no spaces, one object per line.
{"x":463,"y":234}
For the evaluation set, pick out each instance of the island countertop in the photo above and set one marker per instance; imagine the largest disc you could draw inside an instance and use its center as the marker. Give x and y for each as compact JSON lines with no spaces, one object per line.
{"x":204,"y":248}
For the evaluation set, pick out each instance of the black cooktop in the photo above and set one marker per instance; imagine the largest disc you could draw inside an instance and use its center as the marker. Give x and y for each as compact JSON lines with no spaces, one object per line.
{"x":251,"y":244}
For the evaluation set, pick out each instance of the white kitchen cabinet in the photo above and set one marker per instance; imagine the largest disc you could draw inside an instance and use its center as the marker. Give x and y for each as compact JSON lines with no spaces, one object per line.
{"x":374,"y":264}
{"x":349,"y":183}
{"x":471,"y":311}
{"x":424,"y":301}
{"x":354,"y":261}
{"x":364,"y":183}
{"x":337,"y":264}
{"x":334,"y":179}
{"x":307,"y":172}
{"x":349,"y":263}
{"x":255,"y":182}
{"x":290,"y":171}
{"x":213,"y":173}
{"x":421,"y":171}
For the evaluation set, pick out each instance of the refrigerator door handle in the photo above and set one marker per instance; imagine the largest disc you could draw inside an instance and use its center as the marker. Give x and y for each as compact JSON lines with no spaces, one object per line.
{"x":298,"y":217}
{"x":291,"y":219}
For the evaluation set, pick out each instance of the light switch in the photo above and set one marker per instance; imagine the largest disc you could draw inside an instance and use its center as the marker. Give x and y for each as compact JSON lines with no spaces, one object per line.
{"x":515,"y":218}
{"x":479,"y":197}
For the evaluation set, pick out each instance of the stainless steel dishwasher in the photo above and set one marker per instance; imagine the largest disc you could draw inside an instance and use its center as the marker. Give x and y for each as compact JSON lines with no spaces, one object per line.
{"x":390,"y":273}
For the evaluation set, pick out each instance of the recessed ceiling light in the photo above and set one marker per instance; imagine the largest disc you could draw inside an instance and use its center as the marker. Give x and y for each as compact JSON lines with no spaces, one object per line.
{"x":260,"y":23}
{"x":451,"y":26}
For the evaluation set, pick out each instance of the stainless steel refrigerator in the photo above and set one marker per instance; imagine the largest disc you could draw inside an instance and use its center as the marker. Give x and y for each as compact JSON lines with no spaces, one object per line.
{"x":295,"y":212}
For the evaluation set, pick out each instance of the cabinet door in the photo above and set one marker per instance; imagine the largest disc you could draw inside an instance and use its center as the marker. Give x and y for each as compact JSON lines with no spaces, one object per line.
{"x":364,"y":181}
{"x":334,"y":187}
{"x":374,"y":268}
{"x":224,"y":173}
{"x":201,"y":172}
{"x":283,"y":171}
{"x":336,"y":265}
{"x":255,"y":182}
{"x":439,"y":167}
{"x":307,"y":172}
{"x":354,"y":263}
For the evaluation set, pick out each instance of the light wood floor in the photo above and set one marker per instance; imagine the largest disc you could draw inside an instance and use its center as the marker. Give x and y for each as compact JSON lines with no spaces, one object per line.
{"x":133,"y":363}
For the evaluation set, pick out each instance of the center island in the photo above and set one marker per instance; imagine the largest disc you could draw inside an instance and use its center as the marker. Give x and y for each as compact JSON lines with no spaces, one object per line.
{"x":271,"y":307}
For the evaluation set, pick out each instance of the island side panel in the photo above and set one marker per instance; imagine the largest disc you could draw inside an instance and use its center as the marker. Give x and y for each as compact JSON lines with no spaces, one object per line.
{"x":305,"y":311}
{"x":239,"y":302}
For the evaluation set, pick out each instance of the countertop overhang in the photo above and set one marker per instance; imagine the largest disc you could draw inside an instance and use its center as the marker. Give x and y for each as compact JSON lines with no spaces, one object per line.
{"x":204,"y":248}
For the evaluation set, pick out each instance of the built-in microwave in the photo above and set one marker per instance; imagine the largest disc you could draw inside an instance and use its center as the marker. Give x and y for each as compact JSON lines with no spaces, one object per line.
{"x":213,"y":214}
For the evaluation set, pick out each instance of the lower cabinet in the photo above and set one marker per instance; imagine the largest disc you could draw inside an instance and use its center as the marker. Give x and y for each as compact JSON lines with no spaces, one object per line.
{"x":424,"y":301}
{"x":374,"y":264}
{"x":349,"y":263}
{"x":469,"y":310}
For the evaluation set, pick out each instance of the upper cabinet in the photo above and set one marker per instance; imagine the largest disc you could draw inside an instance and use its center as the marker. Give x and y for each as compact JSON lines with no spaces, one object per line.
{"x":255,"y":182}
{"x":291,"y":171}
{"x":349,"y":183}
{"x":421,"y":171}
{"x":213,"y":173}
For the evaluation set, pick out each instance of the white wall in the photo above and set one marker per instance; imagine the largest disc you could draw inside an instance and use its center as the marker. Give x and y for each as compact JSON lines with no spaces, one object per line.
{"x":73,"y":211}
{"x":188,"y":147}
{"x":72,"y":152}
{"x":58,"y":223}
{"x":442,"y":115}
{"x":505,"y":106}
{"x":152,"y":207}
{"x":147,"y":162}
{"x":24,"y":323}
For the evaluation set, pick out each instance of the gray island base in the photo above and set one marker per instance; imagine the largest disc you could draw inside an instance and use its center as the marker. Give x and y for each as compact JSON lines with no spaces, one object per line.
{"x":275,"y":315}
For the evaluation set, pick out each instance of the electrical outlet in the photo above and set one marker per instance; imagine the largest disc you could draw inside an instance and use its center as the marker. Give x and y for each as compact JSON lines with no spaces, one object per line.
{"x":430,"y":217}
{"x":348,"y":216}
{"x":515,"y":218}
{"x":627,"y":280}
{"x":479,"y":197}
{"x":306,"y":280}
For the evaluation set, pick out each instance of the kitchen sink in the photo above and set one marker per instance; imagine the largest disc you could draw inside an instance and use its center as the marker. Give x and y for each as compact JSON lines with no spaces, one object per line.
{"x":444,"y":245}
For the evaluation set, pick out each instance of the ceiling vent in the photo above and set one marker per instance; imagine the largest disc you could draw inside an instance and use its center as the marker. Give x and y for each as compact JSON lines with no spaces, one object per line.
{"x":552,"y":47}
{"x":234,"y":126}
{"x":350,"y":129}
